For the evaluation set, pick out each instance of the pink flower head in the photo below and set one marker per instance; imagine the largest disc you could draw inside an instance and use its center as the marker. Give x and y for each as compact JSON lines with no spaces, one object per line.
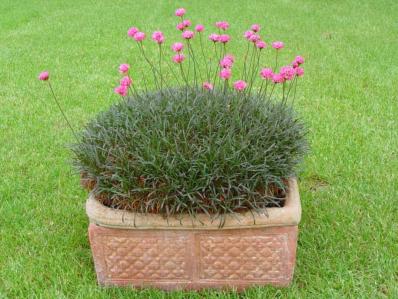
{"x":214,"y":37}
{"x":124,"y":68}
{"x":248,"y":34}
{"x":126,"y":81}
{"x":224,"y":38}
{"x":44,"y":76}
{"x":287,"y":72}
{"x":226,"y":62}
{"x":277,"y":78}
{"x":261,"y":44}
{"x":266,"y":73}
{"x":199,"y":28}
{"x":299,"y":60}
{"x":158,"y":37}
{"x":180,"y":26}
{"x":178,"y":58}
{"x":225,"y":74}
{"x":121,"y":90}
{"x":278,"y":45}
{"x":207,"y":86}
{"x":254,"y":38}
{"x":299,"y":71}
{"x":255,"y":27}
{"x":186,"y":23}
{"x":187,"y":34}
{"x":230,"y":57}
{"x":222,"y":25}
{"x":132,"y":31}
{"x":177,"y":47}
{"x":240,"y":85}
{"x":180,"y":12}
{"x":139,"y":36}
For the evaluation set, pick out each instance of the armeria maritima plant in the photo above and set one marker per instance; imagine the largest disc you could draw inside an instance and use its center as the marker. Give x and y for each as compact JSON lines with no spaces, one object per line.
{"x":200,"y":135}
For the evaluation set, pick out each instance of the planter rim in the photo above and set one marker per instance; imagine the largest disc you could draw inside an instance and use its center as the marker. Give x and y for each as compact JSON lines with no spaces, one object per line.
{"x":289,"y":214}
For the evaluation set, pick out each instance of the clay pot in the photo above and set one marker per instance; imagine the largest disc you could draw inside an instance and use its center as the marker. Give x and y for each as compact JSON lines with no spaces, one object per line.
{"x":180,"y":253}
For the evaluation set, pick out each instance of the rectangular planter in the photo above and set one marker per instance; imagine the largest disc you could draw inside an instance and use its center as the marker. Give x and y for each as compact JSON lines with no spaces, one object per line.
{"x":186,"y":254}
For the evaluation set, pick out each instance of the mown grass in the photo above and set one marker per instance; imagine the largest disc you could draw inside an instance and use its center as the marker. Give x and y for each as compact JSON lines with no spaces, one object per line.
{"x":348,"y":244}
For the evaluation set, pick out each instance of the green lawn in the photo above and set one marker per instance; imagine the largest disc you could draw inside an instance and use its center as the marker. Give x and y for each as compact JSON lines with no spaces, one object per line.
{"x":348,"y":243}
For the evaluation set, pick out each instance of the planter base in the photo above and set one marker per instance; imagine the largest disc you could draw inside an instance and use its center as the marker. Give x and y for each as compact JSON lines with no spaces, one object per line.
{"x":194,"y":259}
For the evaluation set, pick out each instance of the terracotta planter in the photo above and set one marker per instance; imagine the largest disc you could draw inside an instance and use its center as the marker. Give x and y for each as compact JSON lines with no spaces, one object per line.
{"x":186,"y":254}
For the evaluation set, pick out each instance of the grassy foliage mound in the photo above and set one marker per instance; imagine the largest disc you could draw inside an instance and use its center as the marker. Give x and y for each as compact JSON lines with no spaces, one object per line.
{"x":192,"y":151}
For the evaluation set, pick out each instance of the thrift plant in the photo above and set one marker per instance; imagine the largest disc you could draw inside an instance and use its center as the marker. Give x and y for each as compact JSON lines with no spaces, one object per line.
{"x":198,"y":136}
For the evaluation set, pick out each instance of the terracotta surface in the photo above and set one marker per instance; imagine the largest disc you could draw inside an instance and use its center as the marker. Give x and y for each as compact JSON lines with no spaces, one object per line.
{"x":150,"y":251}
{"x":191,"y":259}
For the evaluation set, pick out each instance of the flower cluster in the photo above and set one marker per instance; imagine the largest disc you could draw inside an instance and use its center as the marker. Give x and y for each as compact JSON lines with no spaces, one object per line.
{"x":211,"y":59}
{"x":219,"y":61}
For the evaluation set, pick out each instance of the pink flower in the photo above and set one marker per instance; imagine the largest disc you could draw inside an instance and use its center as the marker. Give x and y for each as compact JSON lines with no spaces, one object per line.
{"x":186,"y":23}
{"x":222,"y":25}
{"x":266,"y":73}
{"x":255,"y":27}
{"x":132,"y":31}
{"x":254,"y":38}
{"x":287,"y":72}
{"x":226,"y":62}
{"x":180,"y":12}
{"x":224,"y":38}
{"x":139,"y":36}
{"x":214,"y":37}
{"x":180,"y":26}
{"x":126,"y":81}
{"x":207,"y":86}
{"x":225,"y":74}
{"x":248,"y":34}
{"x":158,"y":37}
{"x":240,"y":85}
{"x":261,"y":44}
{"x":278,"y":45}
{"x":299,"y":60}
{"x":299,"y":71}
{"x":295,"y":64}
{"x":277,"y":78}
{"x":199,"y":28}
{"x":230,"y":57}
{"x":178,"y":58}
{"x":121,"y":90}
{"x":187,"y":34}
{"x":177,"y":47}
{"x":44,"y":76}
{"x":124,"y":68}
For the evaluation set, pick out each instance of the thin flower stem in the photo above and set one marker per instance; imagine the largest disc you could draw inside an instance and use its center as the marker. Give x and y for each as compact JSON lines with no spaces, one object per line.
{"x":272,"y":90}
{"x":160,"y":66}
{"x":154,"y":71}
{"x":172,"y":70}
{"x":255,"y":72}
{"x":266,"y":88}
{"x":190,"y":49}
{"x":291,"y":86}
{"x":204,"y":57}
{"x":245,"y":61}
{"x":276,"y":61}
{"x":216,"y":66}
{"x":261,"y":87}
{"x":62,"y":111}
{"x":294,"y":95}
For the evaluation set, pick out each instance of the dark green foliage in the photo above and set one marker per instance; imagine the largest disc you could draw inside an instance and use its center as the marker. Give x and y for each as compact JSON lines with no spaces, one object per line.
{"x":191,"y":152}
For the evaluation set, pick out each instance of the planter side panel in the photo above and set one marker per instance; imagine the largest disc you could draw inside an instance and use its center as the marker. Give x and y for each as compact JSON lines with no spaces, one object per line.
{"x":192,"y":259}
